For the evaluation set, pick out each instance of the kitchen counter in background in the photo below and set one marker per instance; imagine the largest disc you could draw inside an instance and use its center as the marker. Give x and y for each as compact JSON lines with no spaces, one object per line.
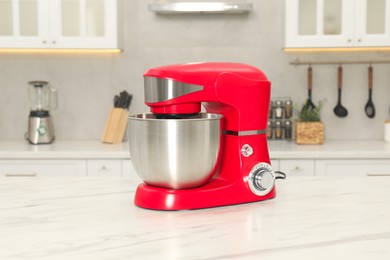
{"x":65,"y":159}
{"x":333,"y":158}
{"x":93,"y":158}
{"x":331,"y":149}
{"x":95,"y":218}
{"x":63,"y":150}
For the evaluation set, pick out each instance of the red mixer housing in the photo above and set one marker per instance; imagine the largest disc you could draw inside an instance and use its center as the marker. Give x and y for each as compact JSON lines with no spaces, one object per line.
{"x":241,"y":93}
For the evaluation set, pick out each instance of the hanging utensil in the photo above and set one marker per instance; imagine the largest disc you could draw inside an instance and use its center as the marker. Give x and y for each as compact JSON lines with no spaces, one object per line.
{"x":309,"y":103}
{"x":339,"y":110}
{"x":370,"y":108}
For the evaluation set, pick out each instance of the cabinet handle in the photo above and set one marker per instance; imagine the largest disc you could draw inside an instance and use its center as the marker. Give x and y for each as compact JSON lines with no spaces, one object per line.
{"x":349,"y":40}
{"x":104,"y":168}
{"x":359,"y":40}
{"x":15,"y":174}
{"x":54,"y":42}
{"x":372,"y":174}
{"x":44,"y":41}
{"x":296,"y":168}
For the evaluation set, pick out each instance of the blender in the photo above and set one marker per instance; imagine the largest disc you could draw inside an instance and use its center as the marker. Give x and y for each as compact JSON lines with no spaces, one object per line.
{"x":42,"y":98}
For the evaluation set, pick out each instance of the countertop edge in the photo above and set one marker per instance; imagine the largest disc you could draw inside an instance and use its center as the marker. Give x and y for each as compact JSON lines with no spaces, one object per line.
{"x":72,"y":149}
{"x":330,"y":155}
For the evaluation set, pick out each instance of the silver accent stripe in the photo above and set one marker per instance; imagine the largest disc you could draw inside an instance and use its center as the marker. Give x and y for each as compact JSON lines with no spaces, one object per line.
{"x":244,"y":133}
{"x":158,"y":89}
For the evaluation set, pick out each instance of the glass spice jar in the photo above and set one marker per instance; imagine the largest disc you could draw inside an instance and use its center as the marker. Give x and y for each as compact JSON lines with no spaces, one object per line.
{"x":278,"y":129}
{"x":288,"y":129}
{"x":288,"y":109}
{"x":278,"y":110}
{"x":271,"y":110}
{"x":270,"y":130}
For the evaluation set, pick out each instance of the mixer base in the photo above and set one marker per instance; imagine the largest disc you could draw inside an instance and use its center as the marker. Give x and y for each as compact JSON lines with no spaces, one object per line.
{"x":214,"y":194}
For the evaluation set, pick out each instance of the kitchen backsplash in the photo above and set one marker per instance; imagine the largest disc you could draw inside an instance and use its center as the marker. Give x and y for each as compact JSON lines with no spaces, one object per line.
{"x":87,"y":83}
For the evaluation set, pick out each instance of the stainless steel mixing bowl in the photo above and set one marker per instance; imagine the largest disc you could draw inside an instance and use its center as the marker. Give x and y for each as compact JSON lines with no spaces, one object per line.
{"x":175,"y":153}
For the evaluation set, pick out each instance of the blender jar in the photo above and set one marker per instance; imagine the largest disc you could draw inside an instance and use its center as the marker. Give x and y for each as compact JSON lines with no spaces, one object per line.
{"x":41,"y":96}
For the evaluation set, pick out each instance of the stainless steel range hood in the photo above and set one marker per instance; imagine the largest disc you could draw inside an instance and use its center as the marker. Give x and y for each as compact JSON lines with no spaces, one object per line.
{"x":217,"y":7}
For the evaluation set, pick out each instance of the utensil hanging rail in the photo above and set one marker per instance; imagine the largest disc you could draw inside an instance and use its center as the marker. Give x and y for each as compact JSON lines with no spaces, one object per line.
{"x":297,"y":61}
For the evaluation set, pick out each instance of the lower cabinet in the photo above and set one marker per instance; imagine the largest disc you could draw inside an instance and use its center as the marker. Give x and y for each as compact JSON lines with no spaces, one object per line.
{"x":128,"y":170}
{"x":104,"y":168}
{"x":297,"y":167}
{"x":124,"y":167}
{"x":353,"y":167}
{"x":42,"y":168}
{"x":275,"y":164}
{"x":333,"y":167}
{"x":67,"y":168}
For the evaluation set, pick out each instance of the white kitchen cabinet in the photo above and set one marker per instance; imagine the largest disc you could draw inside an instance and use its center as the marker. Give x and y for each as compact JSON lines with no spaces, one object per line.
{"x":42,"y":168}
{"x":372,"y":23}
{"x":59,"y":24}
{"x":337,"y":23}
{"x":372,"y":167}
{"x":297,"y":167}
{"x":275,"y":164}
{"x":23,"y":24}
{"x":104,"y":168}
{"x":67,"y":168}
{"x":128,"y":170}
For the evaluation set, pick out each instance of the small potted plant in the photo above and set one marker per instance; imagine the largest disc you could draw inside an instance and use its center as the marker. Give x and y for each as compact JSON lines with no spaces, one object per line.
{"x":308,"y":128}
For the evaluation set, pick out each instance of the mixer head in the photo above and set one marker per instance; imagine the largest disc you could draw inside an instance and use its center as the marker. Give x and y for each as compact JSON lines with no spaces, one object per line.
{"x":240,"y":92}
{"x":161,"y":95}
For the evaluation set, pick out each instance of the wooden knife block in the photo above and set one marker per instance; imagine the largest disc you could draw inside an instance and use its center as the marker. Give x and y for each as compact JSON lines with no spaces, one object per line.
{"x":116,"y":125}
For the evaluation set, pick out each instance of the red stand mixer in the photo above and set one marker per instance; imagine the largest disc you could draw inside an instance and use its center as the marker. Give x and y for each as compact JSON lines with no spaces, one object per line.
{"x":227,"y":145}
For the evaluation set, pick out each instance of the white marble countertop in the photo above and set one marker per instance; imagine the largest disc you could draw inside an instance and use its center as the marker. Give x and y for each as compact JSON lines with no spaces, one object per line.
{"x":311,"y":218}
{"x":63,"y":150}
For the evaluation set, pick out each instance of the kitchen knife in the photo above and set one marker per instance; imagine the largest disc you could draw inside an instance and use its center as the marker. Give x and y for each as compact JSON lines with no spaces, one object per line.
{"x":122,"y":99}
{"x":116,"y":101}
{"x":128,"y":101}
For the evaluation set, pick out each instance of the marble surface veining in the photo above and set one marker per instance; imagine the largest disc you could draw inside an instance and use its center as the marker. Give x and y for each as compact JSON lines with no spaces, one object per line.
{"x":80,"y":218}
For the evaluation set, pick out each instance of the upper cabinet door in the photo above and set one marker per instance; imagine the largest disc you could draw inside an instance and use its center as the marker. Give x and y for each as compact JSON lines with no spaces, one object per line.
{"x":23,"y":23}
{"x":319,"y":23}
{"x":372,"y":23}
{"x":59,"y":24}
{"x":337,"y":23}
{"x":86,"y":24}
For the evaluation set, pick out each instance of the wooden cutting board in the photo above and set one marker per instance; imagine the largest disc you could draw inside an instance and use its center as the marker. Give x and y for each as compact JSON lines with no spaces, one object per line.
{"x":116,"y":125}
